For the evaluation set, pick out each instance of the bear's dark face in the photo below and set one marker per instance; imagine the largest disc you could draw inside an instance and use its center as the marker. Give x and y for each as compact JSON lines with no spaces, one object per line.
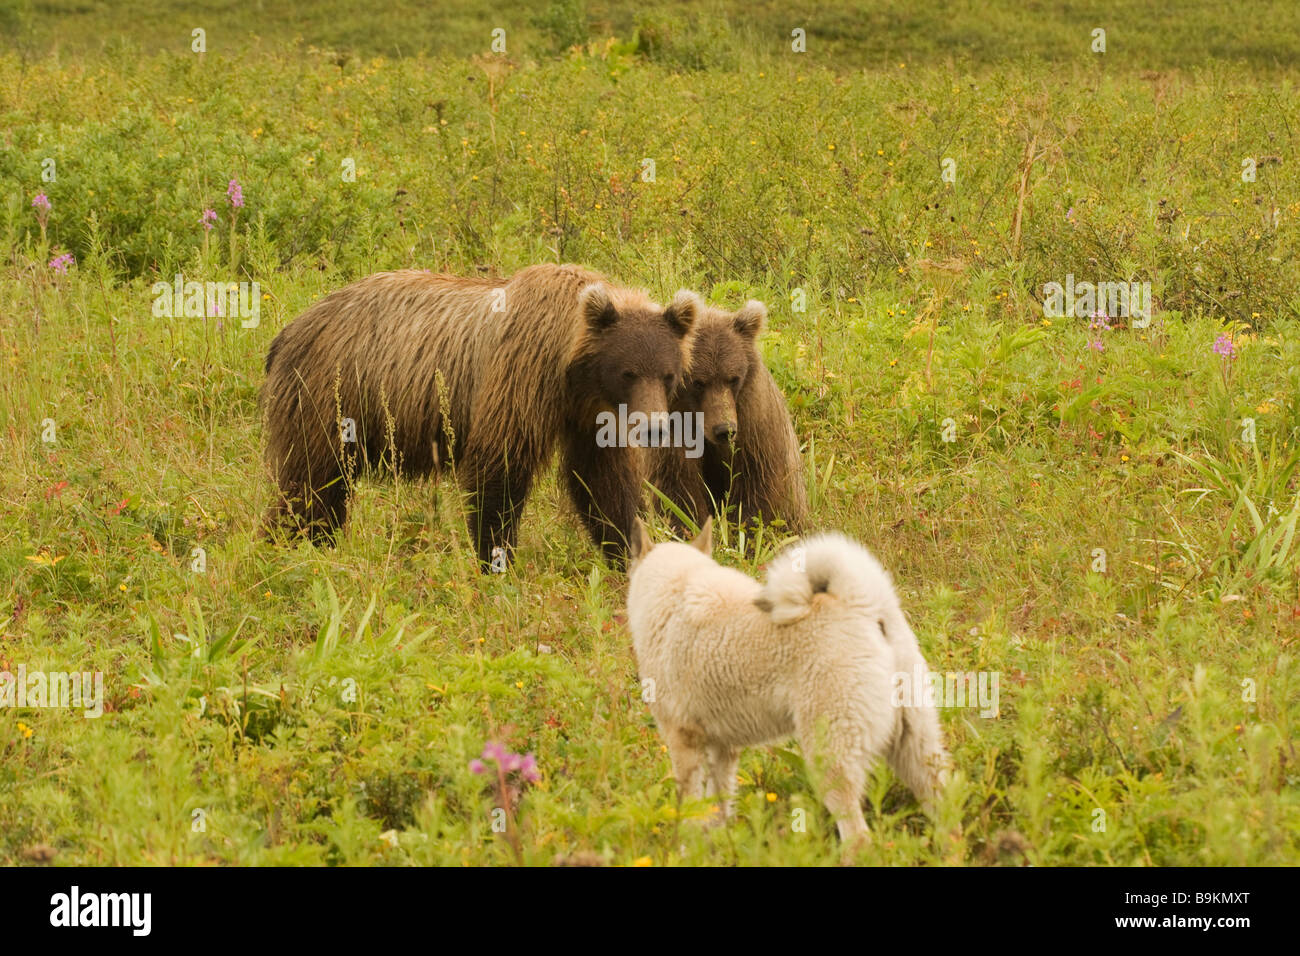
{"x":722,"y":359}
{"x":635,"y":352}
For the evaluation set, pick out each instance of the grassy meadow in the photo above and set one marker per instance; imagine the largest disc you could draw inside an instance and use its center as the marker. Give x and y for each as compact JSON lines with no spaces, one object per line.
{"x":1104,"y":515}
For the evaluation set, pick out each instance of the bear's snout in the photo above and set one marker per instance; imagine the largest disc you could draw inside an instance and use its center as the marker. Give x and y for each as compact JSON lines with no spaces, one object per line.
{"x":723,"y":433}
{"x":650,"y":398}
{"x":658,"y":429}
{"x":720,"y":414}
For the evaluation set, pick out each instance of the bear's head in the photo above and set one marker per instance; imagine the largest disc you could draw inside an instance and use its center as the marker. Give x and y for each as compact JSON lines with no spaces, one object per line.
{"x":722,"y":361}
{"x":632,"y":351}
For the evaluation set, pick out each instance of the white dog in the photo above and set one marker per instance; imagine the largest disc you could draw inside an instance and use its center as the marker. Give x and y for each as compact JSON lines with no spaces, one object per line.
{"x":727,"y":663}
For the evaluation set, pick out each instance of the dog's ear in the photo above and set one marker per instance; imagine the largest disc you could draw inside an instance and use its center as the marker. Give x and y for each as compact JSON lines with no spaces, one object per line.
{"x":641,"y":543}
{"x":703,"y":541}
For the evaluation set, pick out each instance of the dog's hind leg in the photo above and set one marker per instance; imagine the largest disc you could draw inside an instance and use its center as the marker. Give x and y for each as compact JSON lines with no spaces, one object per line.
{"x":835,"y":758}
{"x":843,"y":799}
{"x":918,"y":755}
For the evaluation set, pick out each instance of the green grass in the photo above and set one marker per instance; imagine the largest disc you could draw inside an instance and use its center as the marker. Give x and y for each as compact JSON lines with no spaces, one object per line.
{"x":842,"y":34}
{"x":322,"y":706}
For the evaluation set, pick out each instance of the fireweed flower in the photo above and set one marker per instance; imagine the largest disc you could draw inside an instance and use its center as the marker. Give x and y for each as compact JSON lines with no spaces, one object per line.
{"x":523,"y":764}
{"x":60,"y":263}
{"x":42,"y":206}
{"x":1100,"y":320}
{"x":209,"y":218}
{"x":1223,"y":346}
{"x":528,"y":769}
{"x":235,"y":194}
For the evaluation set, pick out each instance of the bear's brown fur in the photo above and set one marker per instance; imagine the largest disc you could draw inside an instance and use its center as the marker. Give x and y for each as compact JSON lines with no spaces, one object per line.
{"x":751,"y":466}
{"x":525,"y":363}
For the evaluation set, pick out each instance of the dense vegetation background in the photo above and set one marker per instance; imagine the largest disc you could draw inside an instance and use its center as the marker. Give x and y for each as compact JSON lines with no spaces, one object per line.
{"x":1104,"y":530}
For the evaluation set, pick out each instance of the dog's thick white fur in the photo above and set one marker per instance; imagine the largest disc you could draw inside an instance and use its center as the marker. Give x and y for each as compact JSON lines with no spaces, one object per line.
{"x":811,"y":653}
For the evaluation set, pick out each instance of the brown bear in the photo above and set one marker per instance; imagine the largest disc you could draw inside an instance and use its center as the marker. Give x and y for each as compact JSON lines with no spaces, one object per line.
{"x":750,"y":466}
{"x":359,"y":380}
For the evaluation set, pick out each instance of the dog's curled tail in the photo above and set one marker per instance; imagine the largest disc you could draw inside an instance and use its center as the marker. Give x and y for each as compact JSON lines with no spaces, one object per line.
{"x":826,"y":564}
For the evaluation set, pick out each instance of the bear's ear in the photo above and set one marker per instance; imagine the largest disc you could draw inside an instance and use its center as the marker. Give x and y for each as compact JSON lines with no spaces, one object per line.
{"x":751,"y":318}
{"x":683,"y":311}
{"x":597,"y":307}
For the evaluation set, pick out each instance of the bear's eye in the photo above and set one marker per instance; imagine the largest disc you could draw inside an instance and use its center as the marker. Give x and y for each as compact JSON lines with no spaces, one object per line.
{"x":629,"y":375}
{"x":734,"y":381}
{"x":670,"y":381}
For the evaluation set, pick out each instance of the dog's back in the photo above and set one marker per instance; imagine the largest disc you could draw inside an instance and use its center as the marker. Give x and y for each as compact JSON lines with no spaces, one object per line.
{"x":740,"y":659}
{"x":813,"y":652}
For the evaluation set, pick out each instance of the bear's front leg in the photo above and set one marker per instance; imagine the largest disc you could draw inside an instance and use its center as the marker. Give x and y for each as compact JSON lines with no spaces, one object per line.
{"x":496,"y":501}
{"x":605,"y":487}
{"x":312,"y":494}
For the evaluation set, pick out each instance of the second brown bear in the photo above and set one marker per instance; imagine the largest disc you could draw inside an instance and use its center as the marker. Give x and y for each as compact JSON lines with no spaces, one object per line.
{"x":751,"y":467}
{"x":523,"y":365}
